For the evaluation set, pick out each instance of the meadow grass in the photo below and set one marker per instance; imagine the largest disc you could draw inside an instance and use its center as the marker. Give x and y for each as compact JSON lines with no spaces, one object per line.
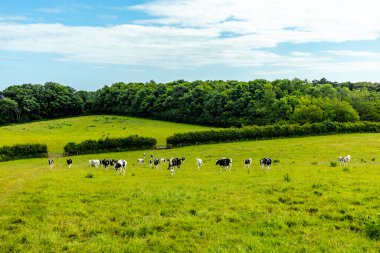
{"x":57,"y":133}
{"x":300,"y":205}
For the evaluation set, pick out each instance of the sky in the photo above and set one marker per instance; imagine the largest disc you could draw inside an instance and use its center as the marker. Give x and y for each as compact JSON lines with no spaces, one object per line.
{"x":87,"y":44}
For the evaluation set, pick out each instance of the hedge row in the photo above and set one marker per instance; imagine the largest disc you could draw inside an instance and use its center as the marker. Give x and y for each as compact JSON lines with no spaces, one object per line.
{"x":132,"y":142}
{"x":22,"y":151}
{"x":270,"y":131}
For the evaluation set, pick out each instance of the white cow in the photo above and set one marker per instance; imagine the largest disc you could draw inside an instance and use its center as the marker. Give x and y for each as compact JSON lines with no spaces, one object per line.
{"x":140,"y":161}
{"x":199,"y":163}
{"x":344,"y":160}
{"x":93,"y":163}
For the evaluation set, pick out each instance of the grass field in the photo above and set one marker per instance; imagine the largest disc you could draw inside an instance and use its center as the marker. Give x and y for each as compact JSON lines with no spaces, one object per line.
{"x":57,"y":133}
{"x":301,"y":204}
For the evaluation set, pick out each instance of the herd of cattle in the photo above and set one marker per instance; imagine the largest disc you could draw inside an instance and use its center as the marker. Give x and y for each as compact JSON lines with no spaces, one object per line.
{"x":175,"y":163}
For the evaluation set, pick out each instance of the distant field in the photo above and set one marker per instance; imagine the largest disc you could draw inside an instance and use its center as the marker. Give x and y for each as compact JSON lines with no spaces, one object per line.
{"x":57,"y":133}
{"x":301,"y":204}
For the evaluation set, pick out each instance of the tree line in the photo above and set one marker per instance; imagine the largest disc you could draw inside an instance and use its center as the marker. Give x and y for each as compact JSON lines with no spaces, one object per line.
{"x":213,"y":102}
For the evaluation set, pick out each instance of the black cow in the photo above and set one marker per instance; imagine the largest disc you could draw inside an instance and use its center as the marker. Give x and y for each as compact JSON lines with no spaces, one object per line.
{"x":225,"y":163}
{"x":51,"y":162}
{"x":105,"y":162}
{"x":69,"y":162}
{"x":266,"y":162}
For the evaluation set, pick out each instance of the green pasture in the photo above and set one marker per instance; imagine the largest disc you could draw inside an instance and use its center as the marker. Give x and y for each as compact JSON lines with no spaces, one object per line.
{"x":301,"y":204}
{"x":57,"y":133}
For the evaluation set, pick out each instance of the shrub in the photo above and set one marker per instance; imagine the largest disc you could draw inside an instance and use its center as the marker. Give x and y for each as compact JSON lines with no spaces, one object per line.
{"x":22,"y":151}
{"x":132,"y":142}
{"x":89,"y":175}
{"x":287,"y":178}
{"x":333,"y":164}
{"x":269,"y":131}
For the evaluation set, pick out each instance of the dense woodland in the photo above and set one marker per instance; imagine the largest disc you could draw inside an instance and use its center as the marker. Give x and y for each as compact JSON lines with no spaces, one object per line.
{"x":217,"y":103}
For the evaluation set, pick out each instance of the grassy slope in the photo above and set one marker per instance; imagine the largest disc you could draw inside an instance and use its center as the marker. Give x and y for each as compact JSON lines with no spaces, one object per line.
{"x":320,"y":209}
{"x":57,"y":133}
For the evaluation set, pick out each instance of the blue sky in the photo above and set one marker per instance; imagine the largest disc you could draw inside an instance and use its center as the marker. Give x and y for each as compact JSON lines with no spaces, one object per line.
{"x":89,"y":44}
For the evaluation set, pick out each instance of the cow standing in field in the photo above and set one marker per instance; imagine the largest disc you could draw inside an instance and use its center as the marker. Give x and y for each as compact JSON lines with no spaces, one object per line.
{"x":105,"y":163}
{"x":120,"y":167}
{"x":140,"y":161}
{"x":51,"y":163}
{"x":199,"y":163}
{"x":175,"y":163}
{"x":344,"y":160}
{"x":265,"y":163}
{"x":69,"y":162}
{"x":163,"y":160}
{"x":225,"y":163}
{"x":93,"y":163}
{"x":247,"y":162}
{"x":156,"y":162}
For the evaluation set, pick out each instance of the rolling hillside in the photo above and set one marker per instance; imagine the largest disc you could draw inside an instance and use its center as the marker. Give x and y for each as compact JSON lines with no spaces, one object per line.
{"x":57,"y":133}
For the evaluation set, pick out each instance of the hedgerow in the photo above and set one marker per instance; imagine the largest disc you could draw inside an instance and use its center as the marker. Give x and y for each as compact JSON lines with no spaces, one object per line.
{"x":132,"y":142}
{"x":270,"y":131}
{"x":22,"y":151}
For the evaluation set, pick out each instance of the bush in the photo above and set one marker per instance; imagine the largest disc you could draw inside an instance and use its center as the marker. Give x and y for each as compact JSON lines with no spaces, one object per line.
{"x":372,"y":230}
{"x":333,"y":164}
{"x":132,"y":142}
{"x":22,"y":151}
{"x":269,"y":131}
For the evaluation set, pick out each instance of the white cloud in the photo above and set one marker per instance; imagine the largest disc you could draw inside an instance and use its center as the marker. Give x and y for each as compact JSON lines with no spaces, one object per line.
{"x":189,"y":33}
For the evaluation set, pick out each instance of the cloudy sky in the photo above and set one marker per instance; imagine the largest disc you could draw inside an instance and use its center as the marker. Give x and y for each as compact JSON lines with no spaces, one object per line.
{"x":91,"y":43}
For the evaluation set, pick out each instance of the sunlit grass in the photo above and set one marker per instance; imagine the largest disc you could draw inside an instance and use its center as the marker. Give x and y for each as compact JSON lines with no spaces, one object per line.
{"x":57,"y":133}
{"x":300,"y":205}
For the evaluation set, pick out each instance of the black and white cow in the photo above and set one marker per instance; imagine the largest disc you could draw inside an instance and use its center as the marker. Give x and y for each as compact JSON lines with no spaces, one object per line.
{"x":225,"y":163}
{"x":105,"y":163}
{"x":247,"y":162}
{"x":69,"y":162}
{"x":150,"y":162}
{"x":163,"y":160}
{"x":51,"y":163}
{"x":175,"y":163}
{"x":113,"y":162}
{"x":156,"y":162}
{"x":344,"y":160}
{"x":199,"y":162}
{"x":120,"y":167}
{"x":140,"y":161}
{"x":93,"y":163}
{"x":265,"y":163}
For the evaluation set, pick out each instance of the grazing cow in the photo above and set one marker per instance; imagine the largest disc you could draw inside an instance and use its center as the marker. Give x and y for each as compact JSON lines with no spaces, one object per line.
{"x":344,"y":160}
{"x":106,"y":163}
{"x":120,"y":167}
{"x":51,"y":162}
{"x":265,"y":163}
{"x":163,"y":160}
{"x":156,"y":162}
{"x":113,"y":162}
{"x":199,"y":163}
{"x":140,"y":161}
{"x":247,"y":162}
{"x":150,"y":162}
{"x":225,"y":163}
{"x":69,"y":162}
{"x":93,"y":163}
{"x":175,"y":163}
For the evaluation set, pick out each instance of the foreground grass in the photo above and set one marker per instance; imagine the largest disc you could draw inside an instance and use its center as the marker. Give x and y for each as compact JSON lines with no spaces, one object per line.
{"x":57,"y":133}
{"x":300,"y":205}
